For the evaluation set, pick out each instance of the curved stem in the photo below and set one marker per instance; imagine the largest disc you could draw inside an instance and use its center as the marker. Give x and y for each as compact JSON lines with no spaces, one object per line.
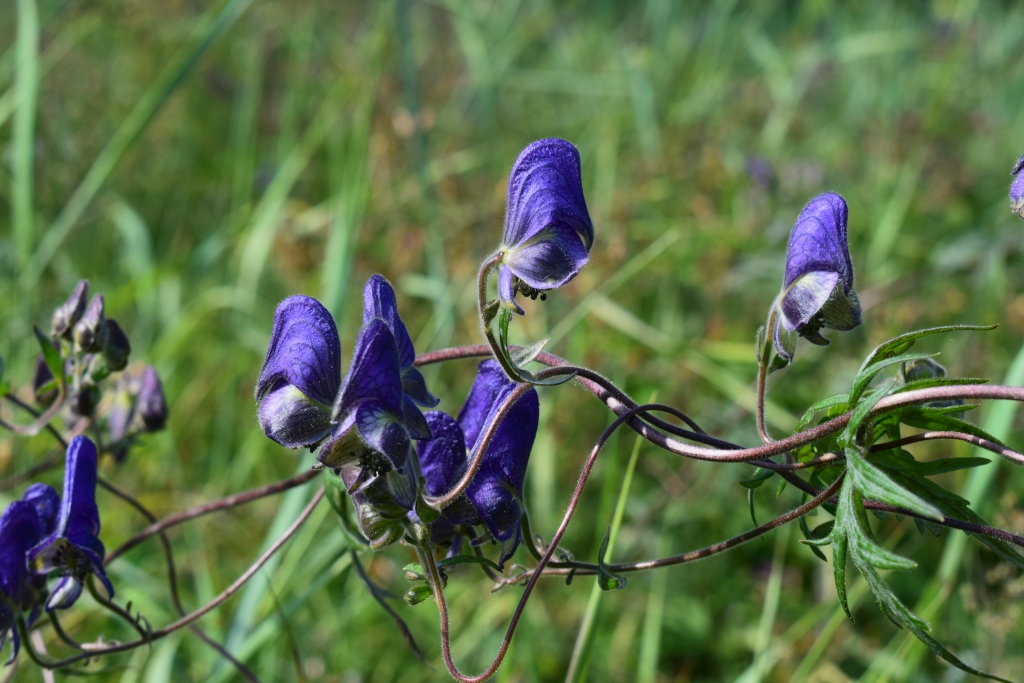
{"x":587,"y":568}
{"x":764,"y":356}
{"x":1008,"y":453}
{"x":435,"y":582}
{"x":205,"y":609}
{"x":734,"y":453}
{"x":225,"y":503}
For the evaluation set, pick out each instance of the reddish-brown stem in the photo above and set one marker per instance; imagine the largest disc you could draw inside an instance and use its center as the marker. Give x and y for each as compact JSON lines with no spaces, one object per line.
{"x":205,"y":609}
{"x":225,"y":503}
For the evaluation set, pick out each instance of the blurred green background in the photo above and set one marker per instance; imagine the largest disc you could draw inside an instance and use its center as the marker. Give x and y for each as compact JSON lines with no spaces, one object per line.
{"x":198,"y":162}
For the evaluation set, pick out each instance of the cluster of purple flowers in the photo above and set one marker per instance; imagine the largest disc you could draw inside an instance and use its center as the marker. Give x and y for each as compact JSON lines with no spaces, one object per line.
{"x":44,"y":533}
{"x":364,"y":426}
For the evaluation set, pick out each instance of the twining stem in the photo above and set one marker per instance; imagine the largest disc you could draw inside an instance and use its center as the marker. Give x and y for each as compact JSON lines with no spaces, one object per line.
{"x":587,"y":568}
{"x":735,"y":454}
{"x":763,"y":359}
{"x":193,"y":616}
{"x":172,"y":578}
{"x":225,"y":503}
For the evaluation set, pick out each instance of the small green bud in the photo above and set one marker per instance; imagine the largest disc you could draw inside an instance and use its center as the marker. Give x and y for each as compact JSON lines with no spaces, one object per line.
{"x":415,"y":596}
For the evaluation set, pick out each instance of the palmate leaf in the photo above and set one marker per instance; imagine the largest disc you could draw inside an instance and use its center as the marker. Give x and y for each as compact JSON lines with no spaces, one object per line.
{"x":901,"y":616}
{"x":868,"y":373}
{"x":903,"y":342}
{"x":939,"y":419}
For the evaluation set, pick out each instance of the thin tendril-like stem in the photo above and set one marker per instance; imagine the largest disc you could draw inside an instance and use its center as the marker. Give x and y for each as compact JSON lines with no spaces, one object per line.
{"x":436,"y":585}
{"x":202,"y":611}
{"x":764,"y":356}
{"x":225,"y":503}
{"x":969,"y":392}
{"x":172,"y":579}
{"x":1008,"y":453}
{"x":589,"y":569}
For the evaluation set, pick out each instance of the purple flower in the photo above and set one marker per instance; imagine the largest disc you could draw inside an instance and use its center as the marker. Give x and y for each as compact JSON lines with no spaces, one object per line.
{"x":548,"y":232}
{"x":817,"y":290}
{"x":301,"y":374}
{"x":1017,"y":188}
{"x":495,"y":496}
{"x":152,"y":404}
{"x":379,"y":304}
{"x":74,"y":548}
{"x":20,"y":530}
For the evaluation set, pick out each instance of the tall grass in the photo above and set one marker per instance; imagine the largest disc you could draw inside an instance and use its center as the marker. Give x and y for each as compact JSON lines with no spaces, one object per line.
{"x":199,"y":164}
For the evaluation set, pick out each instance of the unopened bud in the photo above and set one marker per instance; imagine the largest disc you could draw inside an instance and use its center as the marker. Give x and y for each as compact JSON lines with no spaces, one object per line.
{"x":68,"y":313}
{"x":116,"y":347}
{"x":88,"y":331}
{"x":152,"y":405}
{"x":415,"y":596}
{"x":43,"y":384}
{"x":84,"y":401}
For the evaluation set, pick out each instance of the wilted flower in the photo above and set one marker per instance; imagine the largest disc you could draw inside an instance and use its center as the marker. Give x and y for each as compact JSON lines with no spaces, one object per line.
{"x":817,"y":290}
{"x":548,"y":232}
{"x":1017,"y":188}
{"x":68,"y":313}
{"x":74,"y":548}
{"x":301,"y":374}
{"x":495,"y":496}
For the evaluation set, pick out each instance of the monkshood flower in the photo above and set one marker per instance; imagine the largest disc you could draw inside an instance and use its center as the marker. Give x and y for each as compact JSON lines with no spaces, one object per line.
{"x":495,"y":496}
{"x":74,"y":548}
{"x":301,"y":374}
{"x":20,"y":530}
{"x":817,"y":290}
{"x":379,"y":304}
{"x":1017,"y":188}
{"x":548,"y":232}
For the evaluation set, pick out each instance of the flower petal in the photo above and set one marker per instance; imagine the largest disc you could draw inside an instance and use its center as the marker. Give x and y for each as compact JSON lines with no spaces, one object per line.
{"x":374,"y":374}
{"x":442,"y":458}
{"x":507,"y":290}
{"x":818,"y":241}
{"x":379,"y":303}
{"x":549,"y":259}
{"x":292,"y":419}
{"x":304,"y":351}
{"x":490,"y":381}
{"x":805,"y":297}
{"x":545,"y":187}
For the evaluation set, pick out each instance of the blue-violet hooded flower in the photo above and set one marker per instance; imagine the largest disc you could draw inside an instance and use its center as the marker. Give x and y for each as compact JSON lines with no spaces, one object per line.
{"x":817,"y":290}
{"x":20,"y":531}
{"x":375,"y":415}
{"x":548,"y":233}
{"x":74,"y":548}
{"x":301,"y":374}
{"x":495,"y":496}
{"x":1017,"y":188}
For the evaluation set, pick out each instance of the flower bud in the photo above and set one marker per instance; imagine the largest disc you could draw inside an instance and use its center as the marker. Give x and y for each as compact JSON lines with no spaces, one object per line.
{"x":42,"y":383}
{"x":68,"y":313}
{"x":84,"y":401}
{"x":116,"y":347}
{"x":152,"y":406}
{"x":88,"y":331}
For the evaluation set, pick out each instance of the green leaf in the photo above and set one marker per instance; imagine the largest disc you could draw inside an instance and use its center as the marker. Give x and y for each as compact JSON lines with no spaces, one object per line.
{"x":862,"y":409}
{"x":51,"y":355}
{"x":873,"y":482}
{"x":840,"y":546}
{"x":811,"y":541}
{"x":760,"y":475}
{"x":930,"y":468}
{"x":900,"y":344}
{"x":418,"y":594}
{"x":932,"y":419}
{"x":902,"y":616}
{"x":939,"y":382}
{"x":750,"y":506}
{"x":824,"y":404}
{"x":524,"y":354}
{"x":605,"y":579}
{"x":865,"y":375}
{"x":509,"y":364}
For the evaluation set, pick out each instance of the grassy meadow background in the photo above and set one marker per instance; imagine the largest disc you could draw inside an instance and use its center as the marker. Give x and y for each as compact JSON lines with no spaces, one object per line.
{"x":198,"y":162}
